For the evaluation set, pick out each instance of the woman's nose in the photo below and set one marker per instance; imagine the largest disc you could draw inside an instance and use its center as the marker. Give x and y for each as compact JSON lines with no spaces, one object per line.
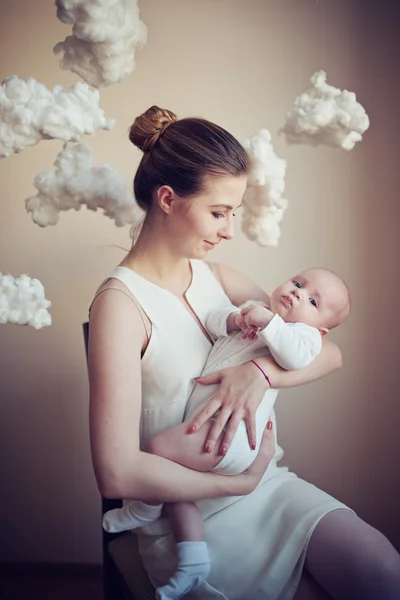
{"x":226,"y":231}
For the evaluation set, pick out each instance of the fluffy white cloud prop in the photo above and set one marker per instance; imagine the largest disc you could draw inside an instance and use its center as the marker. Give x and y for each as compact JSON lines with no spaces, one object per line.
{"x":76,"y":182}
{"x":29,"y":113}
{"x":325,"y":115}
{"x":105,"y":36}
{"x":22,"y":301}
{"x":263,"y":205}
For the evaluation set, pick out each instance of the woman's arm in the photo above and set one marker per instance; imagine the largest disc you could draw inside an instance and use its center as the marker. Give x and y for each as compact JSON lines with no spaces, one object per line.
{"x":116,"y":339}
{"x":329,"y":360}
{"x":238,"y":287}
{"x":242,"y":389}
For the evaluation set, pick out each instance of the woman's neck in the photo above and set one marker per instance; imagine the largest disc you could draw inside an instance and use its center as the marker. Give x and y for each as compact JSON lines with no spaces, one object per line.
{"x":152,"y":258}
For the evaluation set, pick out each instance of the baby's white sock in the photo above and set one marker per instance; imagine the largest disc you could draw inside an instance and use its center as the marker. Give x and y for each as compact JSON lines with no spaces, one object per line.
{"x":193,"y":566}
{"x":134,"y":514}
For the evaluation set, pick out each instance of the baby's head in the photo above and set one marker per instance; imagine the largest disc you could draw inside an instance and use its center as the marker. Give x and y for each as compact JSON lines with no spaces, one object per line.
{"x":316,"y":297}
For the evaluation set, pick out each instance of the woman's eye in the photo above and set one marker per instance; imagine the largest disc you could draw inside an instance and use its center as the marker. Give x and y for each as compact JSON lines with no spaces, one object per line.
{"x":297,"y":284}
{"x":314,"y":302}
{"x":218,"y":215}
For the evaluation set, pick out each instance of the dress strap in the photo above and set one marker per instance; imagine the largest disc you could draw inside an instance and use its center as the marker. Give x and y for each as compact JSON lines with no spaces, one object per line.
{"x":145,"y":319}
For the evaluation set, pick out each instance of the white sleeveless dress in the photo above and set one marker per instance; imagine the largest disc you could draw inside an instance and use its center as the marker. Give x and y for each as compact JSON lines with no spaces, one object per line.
{"x":258,"y":542}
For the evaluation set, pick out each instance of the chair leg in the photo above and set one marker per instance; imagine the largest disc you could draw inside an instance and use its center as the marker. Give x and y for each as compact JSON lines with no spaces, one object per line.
{"x":112,"y":588}
{"x":111,"y":577}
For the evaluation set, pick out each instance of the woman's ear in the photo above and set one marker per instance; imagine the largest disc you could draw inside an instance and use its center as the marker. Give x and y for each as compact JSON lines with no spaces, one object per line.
{"x":165,"y":198}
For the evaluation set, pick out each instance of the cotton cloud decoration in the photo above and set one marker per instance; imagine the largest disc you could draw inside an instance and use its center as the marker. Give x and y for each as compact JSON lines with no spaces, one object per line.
{"x":22,"y":301}
{"x":29,"y":113}
{"x":105,"y":36}
{"x":325,"y":115}
{"x":76,"y":182}
{"x":263,"y":205}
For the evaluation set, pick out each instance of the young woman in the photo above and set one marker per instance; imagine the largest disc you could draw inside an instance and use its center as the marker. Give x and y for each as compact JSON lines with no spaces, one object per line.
{"x":148,"y":342}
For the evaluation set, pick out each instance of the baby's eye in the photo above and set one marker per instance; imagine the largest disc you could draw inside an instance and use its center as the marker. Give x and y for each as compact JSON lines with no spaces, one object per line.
{"x":218,"y":215}
{"x":296,"y":283}
{"x":314,"y":302}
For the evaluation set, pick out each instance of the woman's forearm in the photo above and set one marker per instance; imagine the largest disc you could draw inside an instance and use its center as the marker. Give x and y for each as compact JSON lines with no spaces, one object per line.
{"x":153,"y":478}
{"x":329,"y":360}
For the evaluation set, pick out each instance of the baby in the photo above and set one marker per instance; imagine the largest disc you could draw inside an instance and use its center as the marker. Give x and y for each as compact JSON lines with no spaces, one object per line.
{"x":300,"y":312}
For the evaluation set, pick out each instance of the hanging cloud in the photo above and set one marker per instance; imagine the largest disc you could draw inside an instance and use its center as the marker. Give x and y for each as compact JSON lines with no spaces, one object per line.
{"x":76,"y":182}
{"x":22,"y":302}
{"x":105,"y":37}
{"x":263,"y":205}
{"x":29,"y":113}
{"x":325,"y":115}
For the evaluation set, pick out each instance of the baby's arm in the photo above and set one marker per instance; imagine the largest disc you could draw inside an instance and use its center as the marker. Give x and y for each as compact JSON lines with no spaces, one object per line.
{"x":292,"y":345}
{"x":224,"y":320}
{"x":252,"y":319}
{"x":221,"y":321}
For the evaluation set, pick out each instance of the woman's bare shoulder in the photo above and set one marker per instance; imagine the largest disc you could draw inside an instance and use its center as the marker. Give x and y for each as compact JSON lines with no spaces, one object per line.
{"x":238,"y":287}
{"x":115,"y":309}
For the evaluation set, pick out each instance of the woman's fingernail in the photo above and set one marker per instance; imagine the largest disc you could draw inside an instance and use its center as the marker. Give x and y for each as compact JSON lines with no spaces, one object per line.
{"x":208,"y":449}
{"x":192,"y":429}
{"x":269,"y":425}
{"x":253,"y":446}
{"x":223,"y":451}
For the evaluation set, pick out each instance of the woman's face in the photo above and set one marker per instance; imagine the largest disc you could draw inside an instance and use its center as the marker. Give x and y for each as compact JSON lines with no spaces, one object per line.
{"x":206,"y":219}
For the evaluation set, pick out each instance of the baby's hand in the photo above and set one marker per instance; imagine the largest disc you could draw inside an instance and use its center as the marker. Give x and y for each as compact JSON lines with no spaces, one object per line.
{"x":256,"y":317}
{"x":248,"y":330}
{"x":239,"y":321}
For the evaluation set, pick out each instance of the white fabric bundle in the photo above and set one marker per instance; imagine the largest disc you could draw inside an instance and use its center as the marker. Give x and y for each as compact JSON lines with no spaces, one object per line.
{"x":29,"y":113}
{"x":22,"y":301}
{"x":76,"y":182}
{"x":263,"y":205}
{"x":325,"y":115}
{"x":105,"y":36}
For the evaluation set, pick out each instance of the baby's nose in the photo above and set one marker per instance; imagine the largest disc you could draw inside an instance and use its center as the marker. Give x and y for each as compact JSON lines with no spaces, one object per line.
{"x":295,"y":292}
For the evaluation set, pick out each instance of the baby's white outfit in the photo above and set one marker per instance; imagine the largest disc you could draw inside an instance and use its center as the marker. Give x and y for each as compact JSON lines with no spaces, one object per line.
{"x":257,"y":543}
{"x":293,"y":346}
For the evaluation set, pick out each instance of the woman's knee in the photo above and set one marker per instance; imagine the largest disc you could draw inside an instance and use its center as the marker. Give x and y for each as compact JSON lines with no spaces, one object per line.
{"x":344,"y":544}
{"x":386,"y":564}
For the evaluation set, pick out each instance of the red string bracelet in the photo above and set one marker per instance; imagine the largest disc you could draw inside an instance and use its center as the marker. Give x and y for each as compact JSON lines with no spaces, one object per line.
{"x":265,"y":375}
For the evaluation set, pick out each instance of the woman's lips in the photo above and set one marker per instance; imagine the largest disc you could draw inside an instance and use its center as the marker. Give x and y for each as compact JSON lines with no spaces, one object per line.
{"x":210,"y":245}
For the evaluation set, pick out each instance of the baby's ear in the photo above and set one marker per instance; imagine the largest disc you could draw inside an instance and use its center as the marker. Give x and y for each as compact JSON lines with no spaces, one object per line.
{"x":323,"y":330}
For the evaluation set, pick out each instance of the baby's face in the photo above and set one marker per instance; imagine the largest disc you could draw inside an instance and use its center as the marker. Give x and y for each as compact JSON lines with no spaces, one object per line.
{"x":315,"y":297}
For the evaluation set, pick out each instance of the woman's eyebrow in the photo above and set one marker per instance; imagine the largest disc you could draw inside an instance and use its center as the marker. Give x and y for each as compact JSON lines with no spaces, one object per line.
{"x":228,"y":206}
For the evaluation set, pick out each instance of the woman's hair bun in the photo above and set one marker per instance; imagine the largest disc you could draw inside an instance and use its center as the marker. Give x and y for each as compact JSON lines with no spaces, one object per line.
{"x":149,"y":126}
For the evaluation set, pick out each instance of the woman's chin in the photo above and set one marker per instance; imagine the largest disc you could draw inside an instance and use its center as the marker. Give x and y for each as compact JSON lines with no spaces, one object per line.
{"x":199,"y":254}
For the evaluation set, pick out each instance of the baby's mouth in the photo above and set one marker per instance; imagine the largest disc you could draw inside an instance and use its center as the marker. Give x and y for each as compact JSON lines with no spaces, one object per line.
{"x":287,"y":300}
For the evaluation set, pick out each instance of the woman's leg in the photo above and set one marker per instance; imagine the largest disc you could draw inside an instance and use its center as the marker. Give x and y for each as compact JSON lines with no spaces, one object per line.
{"x":309,"y":589}
{"x":351,"y":560}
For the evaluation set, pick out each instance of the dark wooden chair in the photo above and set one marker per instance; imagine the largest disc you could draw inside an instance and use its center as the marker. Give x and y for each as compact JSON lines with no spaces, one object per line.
{"x":124,"y":576}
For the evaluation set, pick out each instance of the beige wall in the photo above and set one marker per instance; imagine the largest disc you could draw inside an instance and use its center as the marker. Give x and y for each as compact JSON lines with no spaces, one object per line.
{"x":240,"y":63}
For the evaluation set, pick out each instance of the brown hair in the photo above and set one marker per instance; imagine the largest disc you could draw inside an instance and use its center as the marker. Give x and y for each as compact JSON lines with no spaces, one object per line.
{"x":180,"y":153}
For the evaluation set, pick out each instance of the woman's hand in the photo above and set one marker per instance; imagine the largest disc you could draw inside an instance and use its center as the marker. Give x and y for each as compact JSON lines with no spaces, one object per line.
{"x":238,"y":397}
{"x":253,"y":475}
